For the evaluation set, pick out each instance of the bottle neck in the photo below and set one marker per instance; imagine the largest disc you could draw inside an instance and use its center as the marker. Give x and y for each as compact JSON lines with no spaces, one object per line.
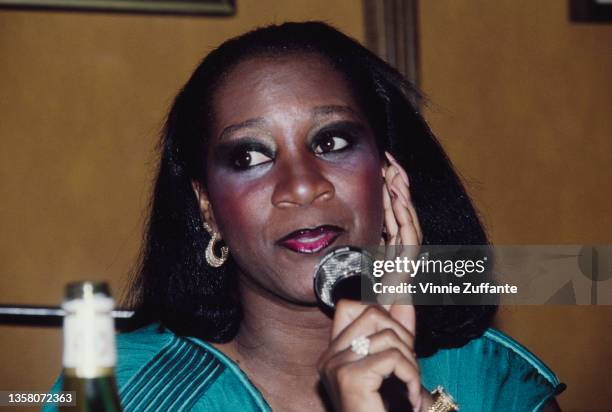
{"x":89,"y":337}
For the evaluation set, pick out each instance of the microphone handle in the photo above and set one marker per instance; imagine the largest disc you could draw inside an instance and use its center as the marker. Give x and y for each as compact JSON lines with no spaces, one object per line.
{"x":347,"y":288}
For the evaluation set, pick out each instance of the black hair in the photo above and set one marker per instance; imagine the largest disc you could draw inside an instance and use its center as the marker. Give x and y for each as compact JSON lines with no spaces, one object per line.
{"x":173,"y":284}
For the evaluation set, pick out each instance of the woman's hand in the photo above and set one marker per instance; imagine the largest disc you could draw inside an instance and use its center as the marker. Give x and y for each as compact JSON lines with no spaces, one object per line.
{"x":401,"y":221}
{"x":402,"y":236}
{"x":354,"y":381}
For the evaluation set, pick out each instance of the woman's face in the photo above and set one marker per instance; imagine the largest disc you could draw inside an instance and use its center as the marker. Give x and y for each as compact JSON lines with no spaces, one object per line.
{"x":292,"y":171}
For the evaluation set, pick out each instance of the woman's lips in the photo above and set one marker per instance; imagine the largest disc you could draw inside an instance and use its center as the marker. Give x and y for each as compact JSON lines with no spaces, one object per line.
{"x":311,"y":240}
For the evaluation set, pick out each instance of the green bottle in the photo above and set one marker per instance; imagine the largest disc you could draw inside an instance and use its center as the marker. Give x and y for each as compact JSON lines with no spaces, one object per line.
{"x":90,"y":354}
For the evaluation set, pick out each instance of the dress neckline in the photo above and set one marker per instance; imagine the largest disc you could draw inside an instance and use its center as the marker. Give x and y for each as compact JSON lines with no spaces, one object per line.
{"x":232,"y":366}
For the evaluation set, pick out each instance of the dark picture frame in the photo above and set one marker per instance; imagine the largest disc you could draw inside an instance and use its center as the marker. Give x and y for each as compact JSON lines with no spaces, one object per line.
{"x":391,"y":32}
{"x":590,"y":11}
{"x":186,"y":7}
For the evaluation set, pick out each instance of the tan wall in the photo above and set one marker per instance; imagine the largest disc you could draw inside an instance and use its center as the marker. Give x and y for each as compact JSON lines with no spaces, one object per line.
{"x":83,"y":99}
{"x":521,"y":98}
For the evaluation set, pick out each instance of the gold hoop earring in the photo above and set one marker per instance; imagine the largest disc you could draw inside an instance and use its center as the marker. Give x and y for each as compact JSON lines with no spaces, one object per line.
{"x":212,"y":259}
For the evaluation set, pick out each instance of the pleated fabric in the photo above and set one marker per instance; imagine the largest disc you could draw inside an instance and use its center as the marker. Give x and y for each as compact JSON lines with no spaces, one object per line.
{"x":159,"y":371}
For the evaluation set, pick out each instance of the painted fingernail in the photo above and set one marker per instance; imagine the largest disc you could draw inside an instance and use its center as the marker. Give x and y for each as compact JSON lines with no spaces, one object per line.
{"x":400,"y":169}
{"x":389,"y":157}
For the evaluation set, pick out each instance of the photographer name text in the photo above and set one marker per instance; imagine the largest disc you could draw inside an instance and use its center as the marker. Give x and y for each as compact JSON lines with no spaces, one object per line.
{"x":465,"y":288}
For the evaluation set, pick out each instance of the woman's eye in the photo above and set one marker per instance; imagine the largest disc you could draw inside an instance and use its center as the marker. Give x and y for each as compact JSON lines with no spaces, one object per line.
{"x":250,"y":158}
{"x":330,"y":143}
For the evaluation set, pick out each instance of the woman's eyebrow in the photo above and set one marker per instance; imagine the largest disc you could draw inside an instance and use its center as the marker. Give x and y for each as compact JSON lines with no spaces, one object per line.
{"x":321,"y":111}
{"x":255,"y":122}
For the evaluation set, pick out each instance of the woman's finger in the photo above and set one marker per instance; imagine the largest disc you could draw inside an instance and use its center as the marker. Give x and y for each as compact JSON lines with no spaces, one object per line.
{"x":390,"y":223}
{"x":403,"y":222}
{"x":346,"y":312}
{"x":367,"y":374}
{"x":379,"y":342}
{"x":388,"y":339}
{"x":391,"y":174}
{"x":370,"y":321}
{"x":415,"y":219}
{"x":396,"y":185}
{"x":401,"y":182}
{"x":390,"y":202}
{"x":407,"y":232}
{"x":406,"y":315}
{"x":392,"y":160}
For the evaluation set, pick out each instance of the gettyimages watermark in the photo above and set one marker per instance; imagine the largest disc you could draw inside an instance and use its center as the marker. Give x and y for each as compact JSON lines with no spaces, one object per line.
{"x":489,"y":275}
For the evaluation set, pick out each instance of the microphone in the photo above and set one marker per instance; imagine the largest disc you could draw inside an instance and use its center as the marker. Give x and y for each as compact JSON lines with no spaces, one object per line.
{"x":341,"y":273}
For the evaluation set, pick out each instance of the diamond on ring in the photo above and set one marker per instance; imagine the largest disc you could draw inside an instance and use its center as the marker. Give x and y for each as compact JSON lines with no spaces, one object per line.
{"x":361,"y":346}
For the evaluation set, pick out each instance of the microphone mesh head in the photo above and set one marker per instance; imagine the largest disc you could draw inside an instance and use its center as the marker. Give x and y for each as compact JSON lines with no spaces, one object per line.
{"x":338,"y":264}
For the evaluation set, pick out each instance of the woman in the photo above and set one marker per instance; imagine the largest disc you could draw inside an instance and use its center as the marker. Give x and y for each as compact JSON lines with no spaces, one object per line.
{"x":282,"y":145}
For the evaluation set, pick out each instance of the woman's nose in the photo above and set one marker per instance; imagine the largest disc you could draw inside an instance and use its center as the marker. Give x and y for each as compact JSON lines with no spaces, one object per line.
{"x":301,"y":184}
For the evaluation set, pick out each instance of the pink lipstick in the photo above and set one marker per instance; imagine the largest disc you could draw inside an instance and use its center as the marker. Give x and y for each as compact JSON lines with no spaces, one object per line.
{"x":311,"y":240}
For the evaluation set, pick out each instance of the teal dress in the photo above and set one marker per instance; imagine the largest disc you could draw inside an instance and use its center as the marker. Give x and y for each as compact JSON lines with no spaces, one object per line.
{"x":159,"y":371}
